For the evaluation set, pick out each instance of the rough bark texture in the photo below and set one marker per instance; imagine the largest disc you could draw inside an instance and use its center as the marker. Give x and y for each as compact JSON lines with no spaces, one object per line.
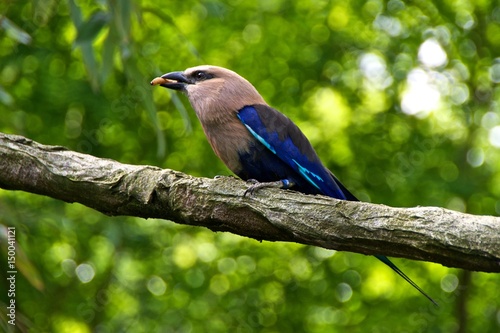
{"x":423,"y":233}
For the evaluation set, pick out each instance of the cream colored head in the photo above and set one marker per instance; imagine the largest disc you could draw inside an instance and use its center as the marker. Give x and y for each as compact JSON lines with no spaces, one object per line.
{"x":214,"y":92}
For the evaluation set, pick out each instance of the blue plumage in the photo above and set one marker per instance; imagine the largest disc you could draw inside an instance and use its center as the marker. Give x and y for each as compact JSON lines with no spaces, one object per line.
{"x":254,"y":140}
{"x":293,"y":158}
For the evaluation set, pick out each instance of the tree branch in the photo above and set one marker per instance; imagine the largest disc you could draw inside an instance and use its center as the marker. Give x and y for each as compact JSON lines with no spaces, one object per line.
{"x":423,"y":233}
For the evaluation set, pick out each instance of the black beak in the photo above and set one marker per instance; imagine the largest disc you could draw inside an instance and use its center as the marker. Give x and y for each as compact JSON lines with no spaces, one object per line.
{"x":178,"y":81}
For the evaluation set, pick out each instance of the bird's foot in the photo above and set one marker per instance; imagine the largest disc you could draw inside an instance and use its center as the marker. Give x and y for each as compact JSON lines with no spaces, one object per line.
{"x":224,"y":176}
{"x":256,"y":185}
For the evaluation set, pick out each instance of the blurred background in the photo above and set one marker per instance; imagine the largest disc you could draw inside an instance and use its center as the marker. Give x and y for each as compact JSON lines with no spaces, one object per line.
{"x":400,"y":100}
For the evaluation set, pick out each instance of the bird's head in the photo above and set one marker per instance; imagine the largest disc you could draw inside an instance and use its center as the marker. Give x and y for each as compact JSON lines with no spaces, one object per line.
{"x":212,"y":90}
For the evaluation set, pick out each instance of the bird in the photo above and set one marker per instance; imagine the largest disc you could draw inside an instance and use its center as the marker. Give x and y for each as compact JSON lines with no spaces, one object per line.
{"x":256,"y":142}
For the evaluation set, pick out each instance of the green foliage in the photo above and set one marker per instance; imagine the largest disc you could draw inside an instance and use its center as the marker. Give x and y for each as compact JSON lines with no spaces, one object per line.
{"x":400,"y":99}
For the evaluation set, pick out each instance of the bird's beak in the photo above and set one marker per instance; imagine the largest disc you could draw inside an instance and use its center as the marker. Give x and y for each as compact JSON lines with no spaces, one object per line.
{"x":173,"y":80}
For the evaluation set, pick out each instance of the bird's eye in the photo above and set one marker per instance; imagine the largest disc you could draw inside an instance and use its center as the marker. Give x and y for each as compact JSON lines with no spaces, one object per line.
{"x":200,"y":75}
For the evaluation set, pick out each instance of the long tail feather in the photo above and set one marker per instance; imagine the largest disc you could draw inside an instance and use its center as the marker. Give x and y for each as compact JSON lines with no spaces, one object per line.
{"x":389,"y":263}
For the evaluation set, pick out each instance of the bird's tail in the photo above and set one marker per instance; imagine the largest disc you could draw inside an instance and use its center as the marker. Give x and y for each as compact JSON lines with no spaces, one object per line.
{"x":389,"y":263}
{"x":349,"y":196}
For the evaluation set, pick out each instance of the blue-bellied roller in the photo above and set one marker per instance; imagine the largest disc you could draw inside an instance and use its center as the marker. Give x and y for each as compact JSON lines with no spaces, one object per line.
{"x":255,"y":141}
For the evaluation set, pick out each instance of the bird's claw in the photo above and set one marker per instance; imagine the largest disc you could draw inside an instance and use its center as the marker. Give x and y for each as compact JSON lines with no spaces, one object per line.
{"x":256,"y":185}
{"x":253,"y":186}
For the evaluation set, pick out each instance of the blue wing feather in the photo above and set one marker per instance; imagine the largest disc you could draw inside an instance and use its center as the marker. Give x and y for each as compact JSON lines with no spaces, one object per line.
{"x":284,"y":139}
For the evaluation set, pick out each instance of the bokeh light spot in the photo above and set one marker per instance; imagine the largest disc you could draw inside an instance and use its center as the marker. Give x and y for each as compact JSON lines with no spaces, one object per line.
{"x":343,"y":292}
{"x":431,"y":54}
{"x":85,"y":272}
{"x":156,"y":285}
{"x":449,"y":283}
{"x":494,"y":136}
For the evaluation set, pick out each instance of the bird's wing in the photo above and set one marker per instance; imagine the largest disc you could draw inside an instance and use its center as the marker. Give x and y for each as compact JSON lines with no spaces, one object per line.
{"x":282,"y":137}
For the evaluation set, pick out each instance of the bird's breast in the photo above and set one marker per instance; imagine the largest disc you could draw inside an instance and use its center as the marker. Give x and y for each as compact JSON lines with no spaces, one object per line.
{"x":228,"y":140}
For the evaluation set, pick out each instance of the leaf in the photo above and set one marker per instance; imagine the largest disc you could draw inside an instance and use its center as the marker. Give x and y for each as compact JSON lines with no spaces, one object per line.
{"x":108,"y":50}
{"x":143,"y":92}
{"x":90,"y":64}
{"x":5,"y":97}
{"x":182,"y":110}
{"x":123,"y":11}
{"x":86,"y":45}
{"x":14,"y":32}
{"x":75,"y":13}
{"x":88,"y":30}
